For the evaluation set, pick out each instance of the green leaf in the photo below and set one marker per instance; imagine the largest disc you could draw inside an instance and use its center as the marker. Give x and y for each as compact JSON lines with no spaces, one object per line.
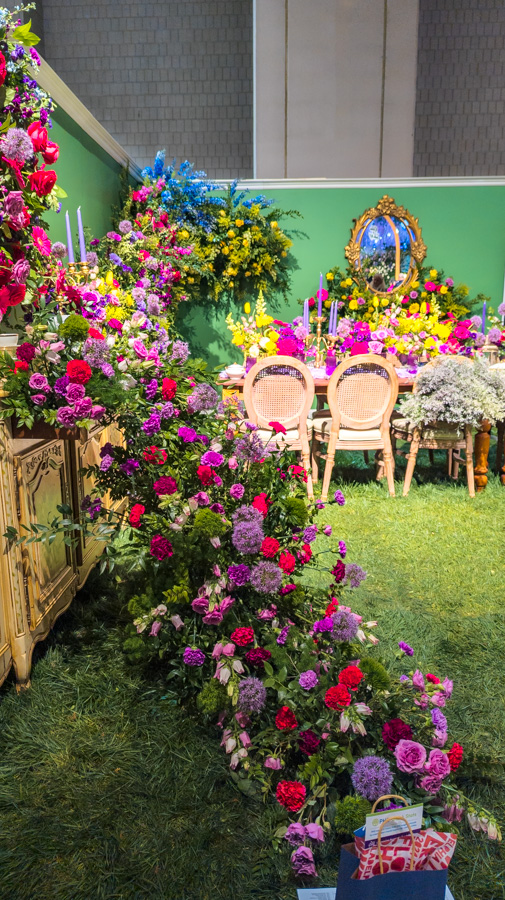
{"x":60,"y":192}
{"x":268,"y":669}
{"x":23,"y":35}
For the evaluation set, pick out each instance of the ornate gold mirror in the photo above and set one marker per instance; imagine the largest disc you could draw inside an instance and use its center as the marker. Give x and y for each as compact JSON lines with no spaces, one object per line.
{"x":386,"y":247}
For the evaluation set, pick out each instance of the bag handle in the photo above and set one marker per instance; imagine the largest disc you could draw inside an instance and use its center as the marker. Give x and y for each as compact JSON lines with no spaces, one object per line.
{"x":389,"y":797}
{"x":379,"y":837}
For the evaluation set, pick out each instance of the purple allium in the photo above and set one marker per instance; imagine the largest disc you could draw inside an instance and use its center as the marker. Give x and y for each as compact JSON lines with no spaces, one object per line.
{"x":327,"y":530}
{"x":17,"y":145}
{"x":247,"y":514}
{"x":152,"y":425}
{"x":187,"y":434}
{"x":501,"y":309}
{"x":151,"y":389}
{"x":247,"y":537}
{"x":438,"y":719}
{"x":130,"y":466}
{"x":66,"y":416}
{"x":95,"y":352}
{"x":266,"y":577}
{"x":180,"y":352}
{"x":406,"y":648}
{"x":345,"y":625}
{"x":342,"y":549}
{"x":237,"y":491}
{"x":125,"y":227}
{"x":59,"y":250}
{"x":354,"y":575}
{"x":323,"y":625}
{"x":250,"y":448}
{"x":91,"y":258}
{"x":372,"y":777}
{"x":283,"y":635}
{"x":193,"y":657}
{"x":494,"y":335}
{"x":339,"y":498}
{"x":106,"y":463}
{"x":75,"y":392}
{"x":239,"y":575}
{"x":212,"y":458}
{"x":308,"y":680}
{"x":203,"y":397}
{"x":167,"y":410}
{"x":252,"y":695}
{"x":310,"y":534}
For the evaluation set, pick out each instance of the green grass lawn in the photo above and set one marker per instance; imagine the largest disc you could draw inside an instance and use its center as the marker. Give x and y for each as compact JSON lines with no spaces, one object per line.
{"x":107,"y":791}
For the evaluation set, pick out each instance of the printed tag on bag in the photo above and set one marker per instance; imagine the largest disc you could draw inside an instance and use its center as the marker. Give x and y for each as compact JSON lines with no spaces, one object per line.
{"x":316,"y":893}
{"x":413,"y":815}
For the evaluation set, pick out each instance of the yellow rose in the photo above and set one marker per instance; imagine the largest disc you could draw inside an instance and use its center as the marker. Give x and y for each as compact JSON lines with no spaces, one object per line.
{"x":414,"y":285}
{"x":239,"y":223}
{"x":247,"y":274}
{"x":271,"y":347}
{"x":274,"y":336}
{"x":245,"y":243}
{"x":329,"y":276}
{"x":348,"y":282}
{"x":230,"y":233}
{"x":353,"y":304}
{"x":444,"y":289}
{"x":384,"y":301}
{"x":284,"y":253}
{"x":433,"y":273}
{"x":342,"y":284}
{"x":225,"y":251}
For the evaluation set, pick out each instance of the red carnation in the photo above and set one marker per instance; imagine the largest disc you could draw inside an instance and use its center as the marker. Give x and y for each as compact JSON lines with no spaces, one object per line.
{"x":165,"y":485}
{"x":160,"y":548}
{"x":168,"y":388}
{"x":205,"y":474}
{"x":97,"y":335}
{"x":270,"y":547}
{"x":20,"y":366}
{"x":285,"y":719}
{"x":26,"y":352}
{"x":337,"y":697}
{"x":3,"y":69}
{"x":42,"y":182}
{"x":308,"y":742}
{"x":305,"y":554}
{"x":38,"y":135}
{"x":257,"y":656}
{"x":261,"y":503}
{"x":277,"y":427}
{"x":298,"y":472}
{"x":287,"y":562}
{"x":455,"y":755}
{"x":291,"y":794}
{"x":155,"y":455}
{"x":78,"y":371}
{"x":242,"y":636}
{"x":432,"y":678}
{"x":394,"y":731}
{"x":339,"y":571}
{"x":136,"y":512}
{"x":350,"y":677}
{"x":332,"y":606}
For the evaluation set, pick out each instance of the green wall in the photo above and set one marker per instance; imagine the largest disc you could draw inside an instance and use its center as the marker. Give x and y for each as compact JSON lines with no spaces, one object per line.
{"x":89,"y":176}
{"x":462,"y":226}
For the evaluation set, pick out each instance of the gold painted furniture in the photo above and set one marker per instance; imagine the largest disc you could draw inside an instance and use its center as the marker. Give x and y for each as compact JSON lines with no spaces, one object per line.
{"x":281,"y":389}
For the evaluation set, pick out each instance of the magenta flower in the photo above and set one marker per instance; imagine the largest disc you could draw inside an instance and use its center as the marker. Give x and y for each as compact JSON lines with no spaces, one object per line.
{"x":410,"y":756}
{"x":38,"y":399}
{"x":418,"y":680}
{"x":295,"y":833}
{"x":302,"y":861}
{"x":272,"y":762}
{"x":237,"y":491}
{"x":193,"y":657}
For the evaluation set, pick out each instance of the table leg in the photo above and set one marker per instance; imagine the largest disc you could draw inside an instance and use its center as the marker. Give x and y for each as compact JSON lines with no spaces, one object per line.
{"x":481,"y":455}
{"x":500,"y":451}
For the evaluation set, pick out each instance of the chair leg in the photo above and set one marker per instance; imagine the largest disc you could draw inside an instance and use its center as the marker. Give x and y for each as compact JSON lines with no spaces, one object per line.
{"x":387,"y":456}
{"x":432,"y":457}
{"x":411,"y":464}
{"x":330,"y":459}
{"x":315,"y":461}
{"x":469,"y":461}
{"x":455,"y":466}
{"x":365,"y":454}
{"x":449,"y":462}
{"x":306,"y":466}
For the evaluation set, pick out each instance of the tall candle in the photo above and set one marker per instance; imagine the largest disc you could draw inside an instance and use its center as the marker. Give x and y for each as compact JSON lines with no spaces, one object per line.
{"x":320,"y":296}
{"x":306,"y":314}
{"x":82,"y":242}
{"x":332,"y":318}
{"x":484,"y":311}
{"x":70,"y":248}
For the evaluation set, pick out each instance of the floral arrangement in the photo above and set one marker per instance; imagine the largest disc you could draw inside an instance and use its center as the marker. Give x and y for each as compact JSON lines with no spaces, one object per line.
{"x":458,"y":393}
{"x":259,"y":334}
{"x":27,"y":183}
{"x":237,"y":246}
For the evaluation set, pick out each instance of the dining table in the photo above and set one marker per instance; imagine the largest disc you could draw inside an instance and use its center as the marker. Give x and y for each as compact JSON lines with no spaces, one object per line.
{"x":234,"y":387}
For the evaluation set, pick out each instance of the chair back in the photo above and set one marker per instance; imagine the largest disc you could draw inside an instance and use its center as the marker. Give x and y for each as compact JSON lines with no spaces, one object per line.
{"x":362,"y":393}
{"x":279,"y":389}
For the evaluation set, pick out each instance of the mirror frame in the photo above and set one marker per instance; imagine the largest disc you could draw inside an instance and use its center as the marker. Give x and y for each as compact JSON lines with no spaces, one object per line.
{"x":387,"y":207}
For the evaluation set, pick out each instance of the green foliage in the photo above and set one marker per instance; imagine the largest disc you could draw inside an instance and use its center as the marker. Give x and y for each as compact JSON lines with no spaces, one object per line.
{"x":350,"y":813}
{"x":75,"y":328}
{"x":207,"y":524}
{"x":212,"y":698}
{"x":377,"y":675}
{"x":296,"y":512}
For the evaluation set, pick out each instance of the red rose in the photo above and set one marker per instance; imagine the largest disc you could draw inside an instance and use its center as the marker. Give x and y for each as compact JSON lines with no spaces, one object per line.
{"x":291,"y":794}
{"x":38,"y":135}
{"x":97,"y":335}
{"x":161,"y":548}
{"x":165,"y":485}
{"x":257,"y":656}
{"x":339,"y":571}
{"x":350,"y":677}
{"x":308,"y":742}
{"x":261,"y":503}
{"x":205,"y":474}
{"x":285,"y":719}
{"x":287,"y":562}
{"x":305,"y":554}
{"x":337,"y":697}
{"x":242,"y":636}
{"x":394,"y":731}
{"x":25,"y":351}
{"x":277,"y":427}
{"x":455,"y":755}
{"x":136,"y":512}
{"x":332,"y":606}
{"x":42,"y":182}
{"x":432,"y":678}
{"x":11,"y":295}
{"x":155,"y":455}
{"x":270,"y":547}
{"x":78,"y":371}
{"x":3,"y":69}
{"x":20,"y":366}
{"x":168,"y":388}
{"x":51,"y":153}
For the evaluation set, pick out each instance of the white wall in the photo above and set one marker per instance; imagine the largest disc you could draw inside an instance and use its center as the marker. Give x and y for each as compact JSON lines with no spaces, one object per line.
{"x":335,"y":88}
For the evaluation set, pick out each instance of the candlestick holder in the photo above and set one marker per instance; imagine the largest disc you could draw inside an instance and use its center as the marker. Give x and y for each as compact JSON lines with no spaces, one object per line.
{"x":78,"y":273}
{"x":491,"y":351}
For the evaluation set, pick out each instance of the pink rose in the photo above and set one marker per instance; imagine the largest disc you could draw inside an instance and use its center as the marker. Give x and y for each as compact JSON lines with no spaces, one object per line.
{"x":200,"y":605}
{"x":431,"y":784}
{"x":38,"y":399}
{"x":140,"y":349}
{"x":214,"y":617}
{"x":438,"y":764}
{"x":410,"y":756}
{"x":272,"y":762}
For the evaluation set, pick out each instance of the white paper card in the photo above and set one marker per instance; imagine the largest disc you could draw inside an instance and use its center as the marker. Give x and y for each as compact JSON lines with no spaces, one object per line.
{"x":316,"y":893}
{"x":413,"y":815}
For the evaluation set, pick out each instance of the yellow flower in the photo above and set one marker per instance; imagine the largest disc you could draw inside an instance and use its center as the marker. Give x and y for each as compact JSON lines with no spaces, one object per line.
{"x":370,"y":308}
{"x":375,"y":302}
{"x":444,"y":289}
{"x":247,"y":307}
{"x":284,"y":253}
{"x":225,"y":251}
{"x":247,"y":274}
{"x":222,"y":213}
{"x":384,"y":301}
{"x":414,"y":285}
{"x":348,"y":282}
{"x":184,"y":234}
{"x":263,"y":320}
{"x":245,"y":243}
{"x":424,"y":294}
{"x":271,"y":347}
{"x":342,"y":284}
{"x":273,"y":225}
{"x":230,"y":233}
{"x":329,"y":276}
{"x":327,"y":303}
{"x":274,"y":336}
{"x":433,"y":273}
{"x":109,"y":278}
{"x":191,"y":280}
{"x":414,"y":307}
{"x":353,"y":304}
{"x":239,"y":222}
